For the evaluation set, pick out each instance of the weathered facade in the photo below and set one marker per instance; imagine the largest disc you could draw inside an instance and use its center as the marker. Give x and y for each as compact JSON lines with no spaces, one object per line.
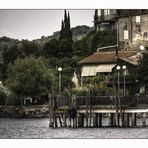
{"x":104,"y":19}
{"x":132,"y":26}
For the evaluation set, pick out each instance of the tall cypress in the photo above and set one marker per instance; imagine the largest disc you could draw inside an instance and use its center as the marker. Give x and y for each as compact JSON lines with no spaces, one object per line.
{"x":65,"y":40}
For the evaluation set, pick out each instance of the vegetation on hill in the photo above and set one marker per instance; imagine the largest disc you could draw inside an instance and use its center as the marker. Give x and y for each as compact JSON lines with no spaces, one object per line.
{"x":29,"y":68}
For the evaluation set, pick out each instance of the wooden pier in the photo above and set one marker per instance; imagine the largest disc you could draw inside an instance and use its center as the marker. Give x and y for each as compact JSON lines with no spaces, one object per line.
{"x":89,"y":111}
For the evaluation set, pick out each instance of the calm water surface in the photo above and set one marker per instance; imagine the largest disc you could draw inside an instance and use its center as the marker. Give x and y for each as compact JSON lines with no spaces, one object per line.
{"x":38,"y":128}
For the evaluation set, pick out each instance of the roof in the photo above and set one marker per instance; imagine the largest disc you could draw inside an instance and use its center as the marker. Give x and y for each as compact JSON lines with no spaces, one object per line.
{"x":106,"y":57}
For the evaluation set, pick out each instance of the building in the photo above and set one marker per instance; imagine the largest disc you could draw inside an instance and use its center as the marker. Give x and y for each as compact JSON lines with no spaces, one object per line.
{"x":132,"y":26}
{"x":105,"y":19}
{"x":105,"y":62}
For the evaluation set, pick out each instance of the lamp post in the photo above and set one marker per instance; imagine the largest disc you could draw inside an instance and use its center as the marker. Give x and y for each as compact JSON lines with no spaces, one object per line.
{"x":124,"y":83}
{"x":59,"y":69}
{"x":118,"y":69}
{"x":118,"y":97}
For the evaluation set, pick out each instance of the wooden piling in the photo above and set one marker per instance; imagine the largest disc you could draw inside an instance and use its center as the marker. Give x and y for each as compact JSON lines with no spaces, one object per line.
{"x":143,"y":119}
{"x":133,"y":119}
{"x":64,"y":119}
{"x":100,"y":119}
{"x":128,"y":119}
{"x":80,"y":120}
{"x":111,"y":115}
{"x":95,"y":120}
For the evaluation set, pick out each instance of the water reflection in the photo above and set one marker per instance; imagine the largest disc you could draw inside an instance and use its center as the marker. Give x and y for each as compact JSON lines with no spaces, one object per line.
{"x":38,"y":128}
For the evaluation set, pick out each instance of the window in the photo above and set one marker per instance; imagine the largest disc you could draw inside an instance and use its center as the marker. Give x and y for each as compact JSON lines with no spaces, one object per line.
{"x":126,"y":34}
{"x":107,"y":14}
{"x":99,"y":12}
{"x":145,"y":34}
{"x":138,"y":19}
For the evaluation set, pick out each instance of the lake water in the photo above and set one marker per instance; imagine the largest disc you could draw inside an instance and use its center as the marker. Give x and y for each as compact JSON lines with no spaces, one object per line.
{"x":38,"y":128}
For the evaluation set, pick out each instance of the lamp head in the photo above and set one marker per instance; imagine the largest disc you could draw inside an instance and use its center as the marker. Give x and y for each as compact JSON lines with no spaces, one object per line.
{"x":60,"y":69}
{"x":118,"y":68}
{"x":123,"y":67}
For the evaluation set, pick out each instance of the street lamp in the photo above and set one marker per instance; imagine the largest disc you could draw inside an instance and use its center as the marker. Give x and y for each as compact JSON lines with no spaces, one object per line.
{"x":141,"y":47}
{"x":60,"y":69}
{"x":118,"y":69}
{"x":0,"y":82}
{"x":124,"y":73}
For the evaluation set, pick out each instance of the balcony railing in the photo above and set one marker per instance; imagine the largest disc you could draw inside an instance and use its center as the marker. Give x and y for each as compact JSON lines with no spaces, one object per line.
{"x":104,"y":100}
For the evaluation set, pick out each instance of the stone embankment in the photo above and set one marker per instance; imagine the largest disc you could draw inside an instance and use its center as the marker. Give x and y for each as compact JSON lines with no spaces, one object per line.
{"x":34,"y":111}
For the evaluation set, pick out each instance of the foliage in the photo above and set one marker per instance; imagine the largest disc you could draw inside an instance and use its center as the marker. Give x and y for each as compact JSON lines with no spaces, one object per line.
{"x":65,"y":39}
{"x":29,"y":77}
{"x":50,"y":48}
{"x":142,"y":70}
{"x":4,"y":93}
{"x":103,"y":38}
{"x":30,"y":48}
{"x":9,"y":56}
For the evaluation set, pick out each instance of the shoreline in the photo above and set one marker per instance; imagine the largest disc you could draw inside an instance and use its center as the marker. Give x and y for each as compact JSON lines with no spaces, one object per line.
{"x":30,"y":111}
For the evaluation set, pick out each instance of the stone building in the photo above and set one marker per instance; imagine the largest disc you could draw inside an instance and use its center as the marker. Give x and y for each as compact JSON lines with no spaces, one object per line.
{"x":104,"y":19}
{"x":132,"y":26}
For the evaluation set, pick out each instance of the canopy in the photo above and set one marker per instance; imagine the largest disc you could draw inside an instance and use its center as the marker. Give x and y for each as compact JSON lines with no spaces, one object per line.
{"x":105,"y":68}
{"x":88,"y":71}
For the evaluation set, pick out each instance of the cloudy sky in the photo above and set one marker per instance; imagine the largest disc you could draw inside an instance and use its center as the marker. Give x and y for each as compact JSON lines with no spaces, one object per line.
{"x":32,"y":24}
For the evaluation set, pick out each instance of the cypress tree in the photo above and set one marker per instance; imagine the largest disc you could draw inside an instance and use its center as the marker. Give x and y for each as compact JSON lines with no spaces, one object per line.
{"x":65,"y":40}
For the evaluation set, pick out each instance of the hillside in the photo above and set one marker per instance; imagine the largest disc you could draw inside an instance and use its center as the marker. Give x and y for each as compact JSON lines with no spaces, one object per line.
{"x":78,"y":33}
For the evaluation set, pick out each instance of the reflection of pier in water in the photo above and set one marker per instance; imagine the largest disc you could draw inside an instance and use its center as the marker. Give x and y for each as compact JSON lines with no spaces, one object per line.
{"x":89,"y":111}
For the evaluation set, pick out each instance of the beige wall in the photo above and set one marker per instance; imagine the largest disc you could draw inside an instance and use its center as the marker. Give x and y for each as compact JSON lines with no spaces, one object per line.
{"x":137,"y":32}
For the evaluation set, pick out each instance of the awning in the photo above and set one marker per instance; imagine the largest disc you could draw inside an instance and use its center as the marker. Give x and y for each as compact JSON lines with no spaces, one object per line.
{"x":88,"y":71}
{"x":105,"y":68}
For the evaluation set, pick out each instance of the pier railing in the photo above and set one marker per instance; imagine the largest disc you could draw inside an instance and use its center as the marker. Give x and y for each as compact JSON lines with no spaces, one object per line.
{"x":105,"y":100}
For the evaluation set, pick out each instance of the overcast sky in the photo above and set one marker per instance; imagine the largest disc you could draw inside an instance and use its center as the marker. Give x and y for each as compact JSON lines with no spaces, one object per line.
{"x":32,"y":24}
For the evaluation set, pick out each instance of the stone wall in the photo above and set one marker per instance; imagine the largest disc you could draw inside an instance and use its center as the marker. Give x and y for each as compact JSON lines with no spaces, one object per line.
{"x":137,"y":27}
{"x":36,"y":111}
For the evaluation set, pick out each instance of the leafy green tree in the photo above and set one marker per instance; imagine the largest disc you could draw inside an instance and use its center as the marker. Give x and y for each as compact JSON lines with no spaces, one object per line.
{"x":4,"y":93}
{"x":103,"y":38}
{"x":50,"y":48}
{"x":29,"y":77}
{"x":30,"y":48}
{"x":9,"y":56}
{"x":142,"y":70}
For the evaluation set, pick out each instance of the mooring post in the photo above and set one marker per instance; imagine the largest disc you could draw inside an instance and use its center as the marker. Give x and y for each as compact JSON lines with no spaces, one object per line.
{"x":128,"y":119}
{"x":100,"y":119}
{"x":114,"y":119}
{"x":80,"y":122}
{"x":123,"y":123}
{"x":111,"y":115}
{"x":86,"y":111}
{"x":143,"y":119}
{"x":64,"y":118}
{"x":55,"y":121}
{"x":133,"y":119}
{"x":95,"y":120}
{"x":51,"y":117}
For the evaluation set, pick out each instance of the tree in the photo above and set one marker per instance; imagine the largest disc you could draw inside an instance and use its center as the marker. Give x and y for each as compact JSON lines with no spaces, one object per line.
{"x":103,"y":38}
{"x":50,"y":48}
{"x":30,"y":48}
{"x":9,"y":56}
{"x":142,"y":70}
{"x":29,"y":77}
{"x":65,"y":39}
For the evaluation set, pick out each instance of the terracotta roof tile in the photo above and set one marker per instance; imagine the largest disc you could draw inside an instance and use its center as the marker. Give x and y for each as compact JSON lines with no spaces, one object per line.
{"x":106,"y":57}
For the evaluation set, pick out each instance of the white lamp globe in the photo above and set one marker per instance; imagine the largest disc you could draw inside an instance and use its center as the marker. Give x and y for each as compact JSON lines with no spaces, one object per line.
{"x":123,"y":67}
{"x":141,"y":47}
{"x":118,"y":68}
{"x":60,"y":69}
{"x":0,"y":82}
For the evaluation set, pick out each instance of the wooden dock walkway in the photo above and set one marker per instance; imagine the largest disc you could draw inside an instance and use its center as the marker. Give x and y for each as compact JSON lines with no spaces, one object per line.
{"x":83,"y":111}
